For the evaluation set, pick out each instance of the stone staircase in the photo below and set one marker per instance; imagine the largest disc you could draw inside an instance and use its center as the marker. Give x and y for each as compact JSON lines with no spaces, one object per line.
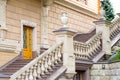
{"x":48,"y":65}
{"x":42,"y":67}
{"x":9,"y":70}
{"x":90,"y":49}
{"x":13,"y":67}
{"x":90,"y":46}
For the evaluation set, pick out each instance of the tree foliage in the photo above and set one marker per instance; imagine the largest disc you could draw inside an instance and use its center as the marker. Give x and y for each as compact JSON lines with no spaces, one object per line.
{"x":109,"y":11}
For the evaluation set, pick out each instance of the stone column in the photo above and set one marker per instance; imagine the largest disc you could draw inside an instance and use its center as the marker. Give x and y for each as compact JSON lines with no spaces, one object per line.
{"x":102,"y":26}
{"x":2,"y":18}
{"x":66,"y":35}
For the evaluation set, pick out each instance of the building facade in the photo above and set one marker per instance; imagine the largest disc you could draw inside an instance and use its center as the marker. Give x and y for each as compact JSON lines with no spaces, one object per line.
{"x":31,"y":30}
{"x":41,"y":18}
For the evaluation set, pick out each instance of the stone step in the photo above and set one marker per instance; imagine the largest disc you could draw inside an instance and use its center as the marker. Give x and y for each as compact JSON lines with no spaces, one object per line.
{"x":13,"y":67}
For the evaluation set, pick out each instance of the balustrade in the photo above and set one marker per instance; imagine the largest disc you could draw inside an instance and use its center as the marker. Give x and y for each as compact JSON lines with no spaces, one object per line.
{"x":83,"y":51}
{"x":41,"y":65}
{"x":86,"y":50}
{"x":114,"y":28}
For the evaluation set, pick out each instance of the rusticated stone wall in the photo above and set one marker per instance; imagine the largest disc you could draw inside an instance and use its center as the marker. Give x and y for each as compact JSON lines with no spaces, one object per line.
{"x":110,"y":71}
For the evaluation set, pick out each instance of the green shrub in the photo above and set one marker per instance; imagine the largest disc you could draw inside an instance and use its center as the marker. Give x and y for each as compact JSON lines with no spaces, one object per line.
{"x":109,"y":12}
{"x":117,"y":57}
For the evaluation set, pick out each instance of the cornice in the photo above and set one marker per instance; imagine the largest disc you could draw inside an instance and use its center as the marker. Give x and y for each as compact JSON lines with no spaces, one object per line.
{"x":77,"y":8}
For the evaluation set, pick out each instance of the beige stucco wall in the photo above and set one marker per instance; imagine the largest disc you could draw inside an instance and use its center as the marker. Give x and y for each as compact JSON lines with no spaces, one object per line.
{"x":30,"y":10}
{"x":79,"y":22}
{"x":5,"y":57}
{"x":91,"y":5}
{"x":18,"y":10}
{"x":111,"y":71}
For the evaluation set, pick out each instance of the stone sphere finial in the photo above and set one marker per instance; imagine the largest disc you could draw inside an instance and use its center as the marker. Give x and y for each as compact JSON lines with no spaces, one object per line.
{"x":64,"y":19}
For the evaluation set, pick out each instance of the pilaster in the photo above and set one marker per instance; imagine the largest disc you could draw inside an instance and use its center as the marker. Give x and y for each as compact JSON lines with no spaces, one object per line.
{"x":45,"y":4}
{"x":2,"y":18}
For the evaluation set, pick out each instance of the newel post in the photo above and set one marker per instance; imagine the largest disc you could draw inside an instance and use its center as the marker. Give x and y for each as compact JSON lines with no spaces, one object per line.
{"x":65,"y":35}
{"x":102,"y":26}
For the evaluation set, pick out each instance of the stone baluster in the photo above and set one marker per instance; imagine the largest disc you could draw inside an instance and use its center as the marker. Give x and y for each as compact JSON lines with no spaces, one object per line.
{"x":26,"y":75}
{"x":42,"y":68}
{"x":31,"y":74}
{"x":34,"y":72}
{"x":53,"y":59}
{"x":46,"y":64}
{"x":59,"y":55}
{"x":78,"y":50}
{"x":81,"y":48}
{"x":39,"y":69}
{"x":22,"y":77}
{"x":56,"y":57}
{"x":102,"y":26}
{"x":95,"y":46}
{"x":19,"y":77}
{"x":49,"y":62}
{"x":89,"y":48}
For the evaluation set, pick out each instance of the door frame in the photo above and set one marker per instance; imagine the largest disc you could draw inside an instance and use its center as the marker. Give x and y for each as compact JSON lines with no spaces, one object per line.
{"x":34,"y":33}
{"x":84,"y":66}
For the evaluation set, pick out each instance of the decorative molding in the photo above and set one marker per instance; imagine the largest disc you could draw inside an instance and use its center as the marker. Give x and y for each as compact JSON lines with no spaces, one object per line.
{"x":8,"y":45}
{"x":77,"y":8}
{"x":28,"y":23}
{"x":34,"y":26}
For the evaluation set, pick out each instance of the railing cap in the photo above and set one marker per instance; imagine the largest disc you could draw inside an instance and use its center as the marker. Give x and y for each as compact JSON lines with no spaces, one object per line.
{"x":65,"y":30}
{"x":102,"y":21}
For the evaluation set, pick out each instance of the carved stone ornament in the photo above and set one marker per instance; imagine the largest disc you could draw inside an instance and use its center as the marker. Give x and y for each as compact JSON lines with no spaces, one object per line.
{"x":64,"y":19}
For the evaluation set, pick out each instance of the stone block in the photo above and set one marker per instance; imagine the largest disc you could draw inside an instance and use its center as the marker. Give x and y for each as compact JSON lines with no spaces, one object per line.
{"x":105,"y":78}
{"x":95,"y":78}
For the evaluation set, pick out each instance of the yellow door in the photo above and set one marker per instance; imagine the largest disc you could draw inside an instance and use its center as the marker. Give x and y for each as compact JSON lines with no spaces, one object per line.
{"x":27,"y":43}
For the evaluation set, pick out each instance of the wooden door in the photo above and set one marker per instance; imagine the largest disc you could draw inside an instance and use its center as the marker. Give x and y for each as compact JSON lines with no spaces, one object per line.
{"x":27,"y":42}
{"x":80,"y":75}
